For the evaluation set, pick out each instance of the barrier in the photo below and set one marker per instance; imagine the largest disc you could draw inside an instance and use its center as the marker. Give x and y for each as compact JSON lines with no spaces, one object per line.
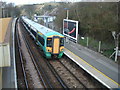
{"x":4,"y":55}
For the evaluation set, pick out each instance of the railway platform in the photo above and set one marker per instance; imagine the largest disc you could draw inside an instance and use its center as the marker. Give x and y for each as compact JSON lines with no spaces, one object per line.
{"x":7,"y":55}
{"x":101,"y":68}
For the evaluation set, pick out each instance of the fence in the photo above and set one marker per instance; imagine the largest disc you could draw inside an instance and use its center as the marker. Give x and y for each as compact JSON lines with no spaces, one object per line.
{"x":105,"y":48}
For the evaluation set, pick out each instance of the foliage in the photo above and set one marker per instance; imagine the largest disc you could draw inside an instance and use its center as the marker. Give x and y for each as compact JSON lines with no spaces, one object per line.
{"x":28,"y":10}
{"x":9,"y":10}
{"x":97,"y":20}
{"x":106,"y":48}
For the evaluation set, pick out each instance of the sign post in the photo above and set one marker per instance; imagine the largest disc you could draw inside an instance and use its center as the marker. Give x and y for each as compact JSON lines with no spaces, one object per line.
{"x":70,"y":29}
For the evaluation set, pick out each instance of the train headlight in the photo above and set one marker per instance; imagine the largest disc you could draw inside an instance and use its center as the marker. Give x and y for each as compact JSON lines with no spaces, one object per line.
{"x":48,"y":50}
{"x":62,"y":49}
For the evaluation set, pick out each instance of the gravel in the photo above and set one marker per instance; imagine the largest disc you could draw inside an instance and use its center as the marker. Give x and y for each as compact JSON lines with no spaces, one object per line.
{"x":67,"y":77}
{"x":85,"y":78}
{"x":32,"y":76}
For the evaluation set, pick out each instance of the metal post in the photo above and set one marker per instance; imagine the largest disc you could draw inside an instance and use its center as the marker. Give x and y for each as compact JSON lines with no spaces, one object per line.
{"x":116,"y":54}
{"x":112,"y":54}
{"x":67,"y":17}
{"x":117,"y":38}
{"x":67,"y":24}
{"x":3,"y":13}
{"x":67,"y":13}
{"x":117,"y":42}
{"x":46,"y":21}
{"x":99,"y":46}
{"x":87,"y":41}
{"x":7,"y":12}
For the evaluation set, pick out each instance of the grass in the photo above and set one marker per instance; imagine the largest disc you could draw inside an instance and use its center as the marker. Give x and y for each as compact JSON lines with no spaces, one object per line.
{"x":108,"y":53}
{"x":106,"y":48}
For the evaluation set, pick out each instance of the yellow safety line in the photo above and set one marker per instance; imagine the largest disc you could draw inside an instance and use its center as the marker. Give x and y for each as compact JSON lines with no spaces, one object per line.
{"x":94,"y":68}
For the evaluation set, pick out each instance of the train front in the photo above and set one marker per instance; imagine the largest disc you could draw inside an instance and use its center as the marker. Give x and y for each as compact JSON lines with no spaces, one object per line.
{"x":54,"y":46}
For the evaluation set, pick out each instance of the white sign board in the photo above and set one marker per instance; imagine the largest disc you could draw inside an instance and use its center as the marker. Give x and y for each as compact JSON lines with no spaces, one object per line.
{"x":70,"y":28}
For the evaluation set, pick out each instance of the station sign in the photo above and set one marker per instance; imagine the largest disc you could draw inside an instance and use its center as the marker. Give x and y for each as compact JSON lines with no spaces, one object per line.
{"x":70,"y":29}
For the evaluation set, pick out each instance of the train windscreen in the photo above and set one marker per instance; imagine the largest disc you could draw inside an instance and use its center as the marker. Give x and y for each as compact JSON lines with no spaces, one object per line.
{"x":61,"y":41}
{"x":49,"y":42}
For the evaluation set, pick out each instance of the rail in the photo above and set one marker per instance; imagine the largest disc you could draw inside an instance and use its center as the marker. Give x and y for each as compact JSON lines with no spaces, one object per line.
{"x":21,"y":58}
{"x":45,"y":82}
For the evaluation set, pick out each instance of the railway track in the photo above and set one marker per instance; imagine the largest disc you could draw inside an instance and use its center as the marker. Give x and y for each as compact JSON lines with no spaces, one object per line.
{"x":84,"y":86}
{"x":40,"y":72}
{"x":60,"y":81}
{"x":69,"y":78}
{"x":63,"y":75}
{"x":21,"y":60}
{"x":63,"y":82}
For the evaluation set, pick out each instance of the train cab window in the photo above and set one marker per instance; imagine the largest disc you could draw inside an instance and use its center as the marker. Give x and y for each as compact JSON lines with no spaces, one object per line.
{"x":41,"y":40}
{"x":49,"y":42}
{"x":61,"y":41}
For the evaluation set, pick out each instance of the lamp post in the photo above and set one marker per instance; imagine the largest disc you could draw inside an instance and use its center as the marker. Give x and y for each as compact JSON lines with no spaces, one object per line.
{"x":67,"y":38}
{"x":67,"y":15}
{"x":3,"y":14}
{"x":116,"y":38}
{"x":67,"y":12}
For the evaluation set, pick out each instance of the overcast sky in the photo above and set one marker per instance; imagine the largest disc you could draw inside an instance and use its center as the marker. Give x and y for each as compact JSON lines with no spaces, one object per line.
{"x":19,"y":2}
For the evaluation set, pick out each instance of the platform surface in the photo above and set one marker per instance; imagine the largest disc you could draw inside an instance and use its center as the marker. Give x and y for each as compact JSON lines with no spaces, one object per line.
{"x":102,"y":68}
{"x":9,"y":73}
{"x":4,"y":22}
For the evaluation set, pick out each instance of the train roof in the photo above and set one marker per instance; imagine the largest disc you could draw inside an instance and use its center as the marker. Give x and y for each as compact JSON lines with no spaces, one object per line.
{"x":40,"y":28}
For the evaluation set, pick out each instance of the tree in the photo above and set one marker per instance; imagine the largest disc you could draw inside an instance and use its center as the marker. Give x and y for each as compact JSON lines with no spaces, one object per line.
{"x":97,"y":19}
{"x":29,"y":10}
{"x":9,"y":10}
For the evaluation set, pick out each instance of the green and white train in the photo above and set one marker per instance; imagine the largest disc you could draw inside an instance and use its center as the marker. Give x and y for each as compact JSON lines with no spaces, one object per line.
{"x":51,"y":42}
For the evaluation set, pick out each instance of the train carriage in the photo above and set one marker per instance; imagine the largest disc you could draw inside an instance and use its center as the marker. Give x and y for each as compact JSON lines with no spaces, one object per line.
{"x":51,"y":42}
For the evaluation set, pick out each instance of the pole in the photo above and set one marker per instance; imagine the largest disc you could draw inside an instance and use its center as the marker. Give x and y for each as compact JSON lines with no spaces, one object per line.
{"x":87,"y":41}
{"x":117,"y":39}
{"x":116,"y":54}
{"x":7,"y":12}
{"x":117,"y":42}
{"x":46,"y":21}
{"x":67,"y":13}
{"x":67,"y":23}
{"x":99,"y":46}
{"x":67,"y":19}
{"x":3,"y":13}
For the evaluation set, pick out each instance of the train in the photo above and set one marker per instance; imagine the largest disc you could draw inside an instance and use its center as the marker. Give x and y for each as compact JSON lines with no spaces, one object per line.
{"x":50,"y":41}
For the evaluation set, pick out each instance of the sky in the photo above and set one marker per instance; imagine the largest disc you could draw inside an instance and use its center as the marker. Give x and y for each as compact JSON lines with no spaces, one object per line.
{"x":20,"y":2}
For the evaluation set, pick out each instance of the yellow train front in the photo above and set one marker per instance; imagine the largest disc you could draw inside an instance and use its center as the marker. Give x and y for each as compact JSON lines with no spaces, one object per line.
{"x":54,"y":46}
{"x":51,"y":42}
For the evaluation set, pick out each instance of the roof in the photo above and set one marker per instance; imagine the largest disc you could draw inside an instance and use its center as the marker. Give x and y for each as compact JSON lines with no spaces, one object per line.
{"x":40,"y":28}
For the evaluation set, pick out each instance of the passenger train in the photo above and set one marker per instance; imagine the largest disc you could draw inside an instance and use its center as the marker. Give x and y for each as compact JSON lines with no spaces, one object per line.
{"x":51,"y":42}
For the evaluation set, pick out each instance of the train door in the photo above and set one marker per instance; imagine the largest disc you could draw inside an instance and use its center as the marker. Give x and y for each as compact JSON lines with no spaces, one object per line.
{"x":56,"y":44}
